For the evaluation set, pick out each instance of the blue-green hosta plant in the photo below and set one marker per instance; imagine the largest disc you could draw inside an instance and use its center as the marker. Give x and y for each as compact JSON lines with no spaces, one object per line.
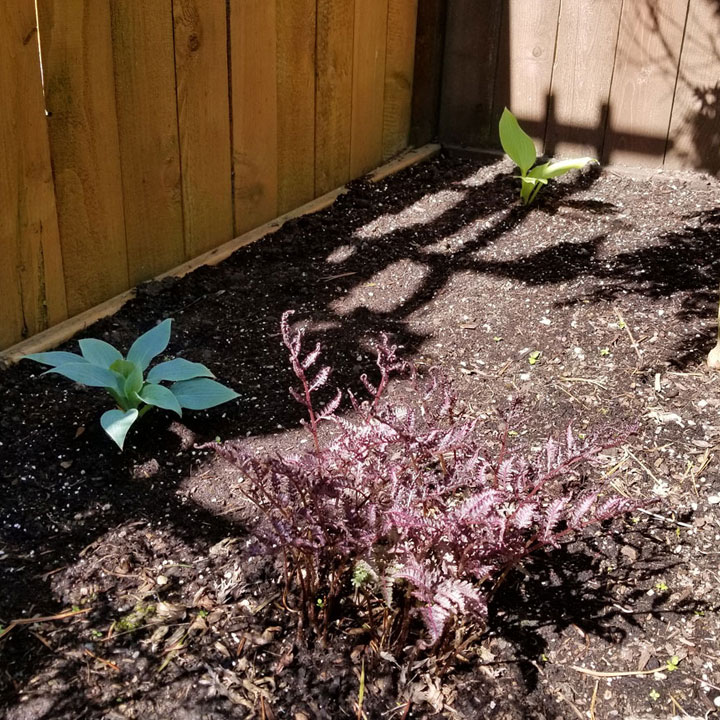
{"x":101,"y":365}
{"x":521,"y":150}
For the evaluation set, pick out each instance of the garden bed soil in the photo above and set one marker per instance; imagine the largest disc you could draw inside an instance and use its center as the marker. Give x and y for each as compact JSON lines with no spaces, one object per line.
{"x":612,"y":280}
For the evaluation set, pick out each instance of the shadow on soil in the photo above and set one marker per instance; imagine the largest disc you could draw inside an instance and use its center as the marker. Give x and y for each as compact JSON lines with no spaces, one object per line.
{"x":65,"y":488}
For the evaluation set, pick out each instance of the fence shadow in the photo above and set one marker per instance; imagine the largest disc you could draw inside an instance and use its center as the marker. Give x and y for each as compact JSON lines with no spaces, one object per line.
{"x":73,"y":491}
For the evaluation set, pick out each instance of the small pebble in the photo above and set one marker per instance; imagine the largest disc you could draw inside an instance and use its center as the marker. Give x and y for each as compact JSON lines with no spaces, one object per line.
{"x":714,"y":499}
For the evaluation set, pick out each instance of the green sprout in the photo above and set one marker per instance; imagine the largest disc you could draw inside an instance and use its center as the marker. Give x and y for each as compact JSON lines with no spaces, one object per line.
{"x":654,"y":695}
{"x":534,"y":357}
{"x":672,"y":663}
{"x":661,"y":586}
{"x":604,"y":352}
{"x":521,"y":150}
{"x":101,"y":365}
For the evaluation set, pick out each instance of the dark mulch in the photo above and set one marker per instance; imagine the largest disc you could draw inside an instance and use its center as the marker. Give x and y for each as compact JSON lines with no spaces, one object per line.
{"x":613,"y":280}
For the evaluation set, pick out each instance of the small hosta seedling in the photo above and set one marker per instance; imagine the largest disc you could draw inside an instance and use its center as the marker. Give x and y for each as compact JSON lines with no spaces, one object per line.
{"x":521,"y":150}
{"x":101,"y":365}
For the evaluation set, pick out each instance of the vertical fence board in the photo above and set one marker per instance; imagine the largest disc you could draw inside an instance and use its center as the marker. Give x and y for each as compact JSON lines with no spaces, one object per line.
{"x":144,"y":62}
{"x":644,"y":81}
{"x":31,"y":273}
{"x":587,"y":36}
{"x":427,"y":71}
{"x":368,"y":85}
{"x":174,"y":124}
{"x":473,"y":35}
{"x":333,"y":94}
{"x":253,"y":60}
{"x":695,"y":123}
{"x":201,"y":71}
{"x":524,"y":78}
{"x":80,"y":98}
{"x":400,"y":57}
{"x":296,"y":102}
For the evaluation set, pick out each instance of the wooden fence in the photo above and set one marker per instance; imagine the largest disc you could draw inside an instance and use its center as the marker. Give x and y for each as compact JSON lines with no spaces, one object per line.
{"x":634,"y":82}
{"x":146,"y":132}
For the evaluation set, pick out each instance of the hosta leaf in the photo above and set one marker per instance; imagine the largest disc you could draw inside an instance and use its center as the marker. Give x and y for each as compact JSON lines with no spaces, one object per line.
{"x":529,"y":180}
{"x":133,"y":381}
{"x":516,"y":142}
{"x":150,"y":344}
{"x":55,"y":358}
{"x":122,"y":367}
{"x":98,"y":352}
{"x":160,"y":396}
{"x":116,"y":424}
{"x":556,"y":168}
{"x":201,"y":393}
{"x":88,"y":374}
{"x":176,"y":370}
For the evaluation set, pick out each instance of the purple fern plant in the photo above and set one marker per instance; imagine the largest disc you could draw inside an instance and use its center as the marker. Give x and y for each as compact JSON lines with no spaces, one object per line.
{"x":406,"y":502}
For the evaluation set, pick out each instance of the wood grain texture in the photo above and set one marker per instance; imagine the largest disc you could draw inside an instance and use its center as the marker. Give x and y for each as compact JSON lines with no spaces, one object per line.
{"x":31,"y":272}
{"x":201,"y":71}
{"x":80,"y":98}
{"x":586,"y":43}
{"x":528,"y":31}
{"x":333,"y":93}
{"x":366,"y":144}
{"x":469,"y":69}
{"x":296,"y":102}
{"x":144,"y":63}
{"x":399,"y":62}
{"x":695,"y":122}
{"x":253,"y":60}
{"x":49,"y":339}
{"x":427,"y":71}
{"x":643,"y":83}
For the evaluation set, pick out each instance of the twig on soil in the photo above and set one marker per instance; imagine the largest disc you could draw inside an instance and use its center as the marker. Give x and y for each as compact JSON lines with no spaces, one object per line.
{"x":679,"y":706}
{"x":327,"y":278}
{"x":40,"y":619}
{"x":109,"y":664}
{"x":623,"y":324}
{"x":502,"y":370}
{"x":44,"y":576}
{"x":42,"y":640}
{"x":643,"y":466}
{"x":618,"y":673}
{"x":572,"y":705}
{"x":666,"y":519}
{"x":569,"y":394}
{"x":585,"y":380}
{"x":593,"y":700}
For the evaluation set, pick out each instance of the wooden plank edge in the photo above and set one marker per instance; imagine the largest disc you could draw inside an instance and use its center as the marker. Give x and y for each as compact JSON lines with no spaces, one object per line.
{"x":65,"y":330}
{"x":407,"y":158}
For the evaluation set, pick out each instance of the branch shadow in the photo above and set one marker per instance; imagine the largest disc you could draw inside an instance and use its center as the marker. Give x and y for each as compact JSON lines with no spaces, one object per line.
{"x":72,"y":489}
{"x":588,"y":585}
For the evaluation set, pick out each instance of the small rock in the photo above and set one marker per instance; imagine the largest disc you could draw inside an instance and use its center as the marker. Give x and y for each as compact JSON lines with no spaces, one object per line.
{"x":714,"y":499}
{"x":161,"y":580}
